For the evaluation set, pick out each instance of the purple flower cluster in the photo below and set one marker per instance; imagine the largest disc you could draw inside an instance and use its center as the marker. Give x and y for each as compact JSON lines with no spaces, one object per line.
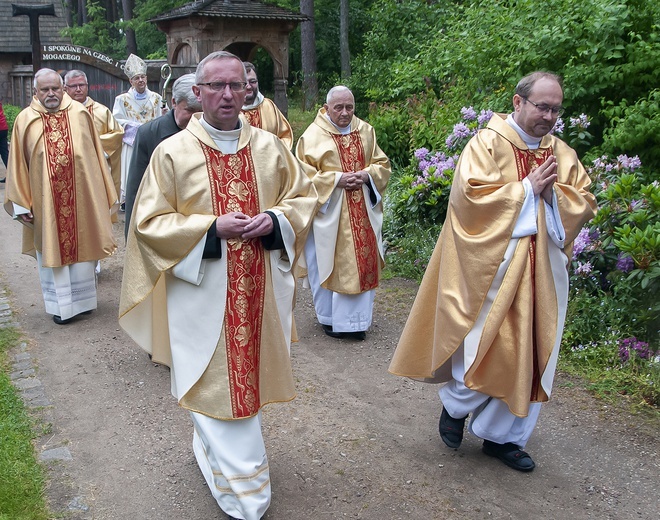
{"x":433,"y":165}
{"x":603,"y":164}
{"x":559,"y":126}
{"x":629,"y":345}
{"x":581,"y":122}
{"x":581,"y":241}
{"x":467,"y":127}
{"x":584,"y":268}
{"x":624,"y":263}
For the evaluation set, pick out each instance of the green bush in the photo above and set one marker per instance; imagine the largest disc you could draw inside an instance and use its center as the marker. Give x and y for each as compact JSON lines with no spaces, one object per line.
{"x":11,"y":111}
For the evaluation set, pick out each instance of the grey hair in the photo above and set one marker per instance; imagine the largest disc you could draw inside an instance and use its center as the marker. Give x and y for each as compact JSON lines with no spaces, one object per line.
{"x":525,"y":85}
{"x":336,"y":90}
{"x":74,"y":74}
{"x":217,"y":55}
{"x":182,"y":91}
{"x":43,"y":72}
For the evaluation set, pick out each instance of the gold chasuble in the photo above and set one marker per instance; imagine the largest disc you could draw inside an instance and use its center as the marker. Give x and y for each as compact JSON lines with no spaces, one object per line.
{"x":110,"y":133}
{"x":58,"y":171}
{"x":521,"y":329}
{"x":224,"y":334}
{"x":353,"y":265}
{"x":268,"y":117}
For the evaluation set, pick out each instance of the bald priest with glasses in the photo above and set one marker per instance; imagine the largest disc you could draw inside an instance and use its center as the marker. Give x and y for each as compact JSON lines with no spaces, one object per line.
{"x":488,"y":318}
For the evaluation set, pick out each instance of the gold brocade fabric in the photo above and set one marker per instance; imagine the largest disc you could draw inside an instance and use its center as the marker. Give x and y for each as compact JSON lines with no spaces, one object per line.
{"x":128,"y":109}
{"x":322,"y":154}
{"x":268,"y":117}
{"x":57,"y":170}
{"x":232,"y":183}
{"x":521,"y":328}
{"x":175,"y":206}
{"x":111,"y":133}
{"x":351,"y":155}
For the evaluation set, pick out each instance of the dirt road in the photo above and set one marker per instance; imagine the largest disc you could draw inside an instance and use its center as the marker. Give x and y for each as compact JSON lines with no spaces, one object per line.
{"x":356,"y":443}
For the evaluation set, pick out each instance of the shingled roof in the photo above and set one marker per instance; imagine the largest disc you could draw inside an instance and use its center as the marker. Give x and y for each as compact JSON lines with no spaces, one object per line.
{"x":15,"y":31}
{"x":246,"y":9}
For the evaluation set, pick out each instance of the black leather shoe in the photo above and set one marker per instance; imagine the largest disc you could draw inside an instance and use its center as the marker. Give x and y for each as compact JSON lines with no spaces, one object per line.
{"x":451,"y":430}
{"x":328,"y":330}
{"x":510,"y":454}
{"x":57,"y":319}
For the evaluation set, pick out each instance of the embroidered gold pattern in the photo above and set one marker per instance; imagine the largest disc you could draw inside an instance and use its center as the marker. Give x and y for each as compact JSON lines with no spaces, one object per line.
{"x":233,"y":188}
{"x":62,"y":176}
{"x":351,"y":155}
{"x":253,"y":117}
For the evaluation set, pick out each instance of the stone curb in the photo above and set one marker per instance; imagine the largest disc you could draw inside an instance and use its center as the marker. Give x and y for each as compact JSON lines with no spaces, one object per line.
{"x":23,"y":375}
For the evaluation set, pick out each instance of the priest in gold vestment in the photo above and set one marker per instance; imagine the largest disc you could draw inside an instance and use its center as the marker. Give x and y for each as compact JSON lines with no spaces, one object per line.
{"x":218,"y":223}
{"x":489,"y":314}
{"x":110,"y":131}
{"x":59,"y":186}
{"x":344,"y":250}
{"x":262,"y":112}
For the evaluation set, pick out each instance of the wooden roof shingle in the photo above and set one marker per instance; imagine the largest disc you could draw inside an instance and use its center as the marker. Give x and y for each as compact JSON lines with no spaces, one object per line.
{"x":15,"y":30}
{"x":245,"y":9}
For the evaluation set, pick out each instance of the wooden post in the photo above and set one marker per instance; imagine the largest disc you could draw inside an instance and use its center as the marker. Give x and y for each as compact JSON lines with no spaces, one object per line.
{"x":33,"y":12}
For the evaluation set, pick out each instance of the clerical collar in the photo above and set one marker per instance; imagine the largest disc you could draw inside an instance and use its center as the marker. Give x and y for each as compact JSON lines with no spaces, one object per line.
{"x":343,"y":131}
{"x":226,"y":141}
{"x":140,"y":96}
{"x":257,"y":101}
{"x":531,"y":142}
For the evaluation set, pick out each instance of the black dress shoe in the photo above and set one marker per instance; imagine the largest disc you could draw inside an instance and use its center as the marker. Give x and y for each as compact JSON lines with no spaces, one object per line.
{"x":58,"y":319}
{"x":451,"y":430}
{"x":328,"y":330}
{"x":510,"y":454}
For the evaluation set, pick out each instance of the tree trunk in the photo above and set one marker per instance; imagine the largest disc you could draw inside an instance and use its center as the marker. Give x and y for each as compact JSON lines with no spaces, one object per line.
{"x":131,"y":42}
{"x":343,"y":40}
{"x":68,"y":12}
{"x":308,"y":55}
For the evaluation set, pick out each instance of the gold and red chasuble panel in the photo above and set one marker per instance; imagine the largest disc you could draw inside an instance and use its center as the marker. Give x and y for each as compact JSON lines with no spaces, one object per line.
{"x":234,"y":188}
{"x":60,"y":163}
{"x":526,"y":162}
{"x":351,"y":155}
{"x":253,"y":117}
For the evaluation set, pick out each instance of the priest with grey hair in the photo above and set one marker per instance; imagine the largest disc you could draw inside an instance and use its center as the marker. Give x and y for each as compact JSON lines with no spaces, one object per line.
{"x":150,"y":135}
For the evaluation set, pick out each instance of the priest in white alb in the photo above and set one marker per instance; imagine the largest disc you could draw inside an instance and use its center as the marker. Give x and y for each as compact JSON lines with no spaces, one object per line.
{"x":344,"y":252}
{"x":218,"y":223}
{"x":59,"y":186}
{"x":489,"y":314}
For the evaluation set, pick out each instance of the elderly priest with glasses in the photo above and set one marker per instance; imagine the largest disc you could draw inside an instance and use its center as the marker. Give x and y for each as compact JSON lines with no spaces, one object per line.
{"x":218,"y":223}
{"x":489,"y":314}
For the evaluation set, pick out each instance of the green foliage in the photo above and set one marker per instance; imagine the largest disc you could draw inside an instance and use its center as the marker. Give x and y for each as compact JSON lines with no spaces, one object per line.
{"x":21,"y":477}
{"x":98,"y":34}
{"x":11,"y":111}
{"x":635,"y":129}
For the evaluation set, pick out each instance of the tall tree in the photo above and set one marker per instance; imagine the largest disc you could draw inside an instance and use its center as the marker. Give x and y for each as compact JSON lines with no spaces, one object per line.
{"x":343,"y":40}
{"x":131,"y":42}
{"x":308,"y":55}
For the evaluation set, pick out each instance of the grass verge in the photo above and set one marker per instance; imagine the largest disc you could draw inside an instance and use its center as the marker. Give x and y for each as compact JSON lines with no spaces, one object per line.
{"x":21,"y":476}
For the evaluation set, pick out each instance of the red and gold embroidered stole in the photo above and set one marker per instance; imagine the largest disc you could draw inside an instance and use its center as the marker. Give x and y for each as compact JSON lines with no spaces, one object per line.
{"x":234,"y":188}
{"x":90,"y":109}
{"x":60,"y":162}
{"x":253,"y":117}
{"x":526,"y":162}
{"x":351,"y":155}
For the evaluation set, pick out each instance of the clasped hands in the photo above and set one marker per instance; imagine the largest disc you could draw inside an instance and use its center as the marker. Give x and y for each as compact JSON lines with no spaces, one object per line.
{"x":240,"y":225}
{"x":353,"y":180}
{"x":543,"y":179}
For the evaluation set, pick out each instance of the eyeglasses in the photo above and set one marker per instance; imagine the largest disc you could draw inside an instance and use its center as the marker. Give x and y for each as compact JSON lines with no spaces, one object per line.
{"x":543,"y":108}
{"x":253,"y":82}
{"x":220,"y":86}
{"x":78,"y":86}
